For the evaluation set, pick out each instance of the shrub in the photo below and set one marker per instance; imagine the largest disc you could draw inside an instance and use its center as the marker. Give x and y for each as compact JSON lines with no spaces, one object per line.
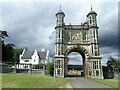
{"x":50,"y":68}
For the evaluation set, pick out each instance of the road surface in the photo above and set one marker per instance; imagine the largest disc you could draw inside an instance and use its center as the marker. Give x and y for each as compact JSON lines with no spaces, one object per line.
{"x":78,"y":82}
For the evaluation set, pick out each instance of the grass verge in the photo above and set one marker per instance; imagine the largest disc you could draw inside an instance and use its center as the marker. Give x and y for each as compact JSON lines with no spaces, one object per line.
{"x":32,"y":81}
{"x":108,"y":82}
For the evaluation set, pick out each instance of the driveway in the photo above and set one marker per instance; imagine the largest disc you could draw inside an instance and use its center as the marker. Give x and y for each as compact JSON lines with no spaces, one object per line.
{"x":78,"y":82}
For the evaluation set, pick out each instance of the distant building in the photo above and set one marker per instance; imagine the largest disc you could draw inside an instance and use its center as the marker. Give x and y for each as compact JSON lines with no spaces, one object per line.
{"x":33,"y":57}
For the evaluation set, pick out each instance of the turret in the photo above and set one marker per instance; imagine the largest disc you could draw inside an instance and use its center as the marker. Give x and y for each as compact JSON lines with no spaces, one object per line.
{"x":91,"y":18}
{"x":59,"y":32}
{"x":60,"y":18}
{"x":93,"y":30}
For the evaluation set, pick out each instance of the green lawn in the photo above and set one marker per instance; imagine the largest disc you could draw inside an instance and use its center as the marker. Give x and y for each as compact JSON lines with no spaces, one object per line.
{"x":32,"y":81}
{"x":0,"y":81}
{"x":109,"y":82}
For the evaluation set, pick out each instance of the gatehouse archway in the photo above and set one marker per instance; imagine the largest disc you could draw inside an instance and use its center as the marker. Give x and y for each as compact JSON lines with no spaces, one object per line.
{"x":84,"y":54}
{"x":81,"y":38}
{"x":75,"y":65}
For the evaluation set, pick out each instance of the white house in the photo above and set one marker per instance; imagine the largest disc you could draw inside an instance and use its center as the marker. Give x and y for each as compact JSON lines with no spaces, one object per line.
{"x":33,"y":57}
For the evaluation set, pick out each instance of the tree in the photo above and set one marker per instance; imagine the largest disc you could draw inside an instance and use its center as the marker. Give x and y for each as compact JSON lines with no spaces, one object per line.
{"x":17,"y":52}
{"x":50,"y":68}
{"x":7,"y":49}
{"x":8,"y":52}
{"x":4,"y":34}
{"x":113,"y":62}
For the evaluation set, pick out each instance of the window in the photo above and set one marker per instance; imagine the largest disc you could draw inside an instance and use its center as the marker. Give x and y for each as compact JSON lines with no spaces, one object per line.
{"x":94,"y":33}
{"x":93,"y":64}
{"x":58,"y":71}
{"x":60,"y":17}
{"x":92,"y":49}
{"x":98,"y":52}
{"x":97,"y":33}
{"x":95,"y":53}
{"x":96,"y":65}
{"x":90,"y":20}
{"x":34,"y":60}
{"x":58,"y":46}
{"x":59,"y":33}
{"x":62,"y":34}
{"x":58,"y":64}
{"x":26,"y":60}
{"x":59,"y":49}
{"x":95,"y":46}
{"x":62,"y":49}
{"x":97,"y":72}
{"x":58,"y":52}
{"x":99,"y":65}
{"x":25,"y":66}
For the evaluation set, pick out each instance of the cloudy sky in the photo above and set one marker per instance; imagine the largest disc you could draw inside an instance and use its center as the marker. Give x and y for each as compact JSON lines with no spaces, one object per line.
{"x":31,"y":24}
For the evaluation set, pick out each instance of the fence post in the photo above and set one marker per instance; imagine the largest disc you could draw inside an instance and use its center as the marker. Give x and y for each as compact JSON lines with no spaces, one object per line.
{"x":15,"y":68}
{"x":30,"y":69}
{"x":43,"y":69}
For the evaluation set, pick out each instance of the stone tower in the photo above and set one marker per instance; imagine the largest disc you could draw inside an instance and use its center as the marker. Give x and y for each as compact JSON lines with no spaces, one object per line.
{"x":81,"y":38}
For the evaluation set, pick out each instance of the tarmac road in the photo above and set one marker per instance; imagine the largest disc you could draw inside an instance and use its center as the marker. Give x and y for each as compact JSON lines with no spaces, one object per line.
{"x":79,"y":82}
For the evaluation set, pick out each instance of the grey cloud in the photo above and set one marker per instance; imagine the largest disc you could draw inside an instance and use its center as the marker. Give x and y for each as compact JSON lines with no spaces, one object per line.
{"x":26,"y":29}
{"x":32,"y":24}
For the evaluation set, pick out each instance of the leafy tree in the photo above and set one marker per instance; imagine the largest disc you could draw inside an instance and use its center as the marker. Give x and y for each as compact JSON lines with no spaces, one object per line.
{"x":7,"y":49}
{"x":7,"y":52}
{"x":17,"y":52}
{"x":4,"y":34}
{"x":50,"y":68}
{"x":113,"y":62}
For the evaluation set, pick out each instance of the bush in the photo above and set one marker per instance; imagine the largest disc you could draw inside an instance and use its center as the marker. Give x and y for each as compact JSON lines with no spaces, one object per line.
{"x":108,"y":72}
{"x":50,"y":68}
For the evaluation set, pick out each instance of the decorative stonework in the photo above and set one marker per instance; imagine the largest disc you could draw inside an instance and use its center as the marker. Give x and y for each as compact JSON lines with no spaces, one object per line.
{"x":77,"y":38}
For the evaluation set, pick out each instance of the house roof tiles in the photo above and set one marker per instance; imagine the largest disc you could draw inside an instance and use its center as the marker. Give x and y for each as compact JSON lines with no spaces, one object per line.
{"x":28,"y":54}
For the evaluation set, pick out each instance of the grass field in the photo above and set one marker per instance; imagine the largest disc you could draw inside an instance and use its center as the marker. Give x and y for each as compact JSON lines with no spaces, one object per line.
{"x":32,"y":81}
{"x":109,"y":82}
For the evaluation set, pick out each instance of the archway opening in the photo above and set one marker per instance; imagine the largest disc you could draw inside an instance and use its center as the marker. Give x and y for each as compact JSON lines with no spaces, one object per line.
{"x":76,"y":64}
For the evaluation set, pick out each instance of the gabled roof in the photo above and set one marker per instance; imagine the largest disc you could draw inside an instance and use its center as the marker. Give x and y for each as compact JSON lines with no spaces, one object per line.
{"x":27,"y":54}
{"x":42,"y":54}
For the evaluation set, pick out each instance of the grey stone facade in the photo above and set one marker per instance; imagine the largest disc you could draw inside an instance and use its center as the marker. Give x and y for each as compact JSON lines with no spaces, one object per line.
{"x":81,"y":38}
